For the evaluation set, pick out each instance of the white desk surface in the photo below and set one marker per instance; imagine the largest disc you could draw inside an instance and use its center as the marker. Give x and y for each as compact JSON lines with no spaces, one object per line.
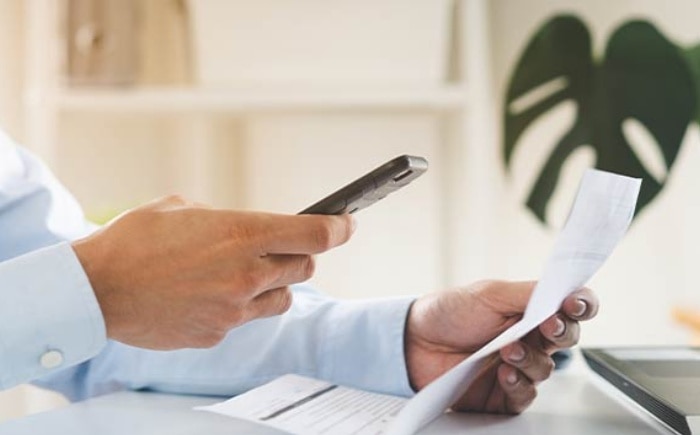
{"x":572,"y":402}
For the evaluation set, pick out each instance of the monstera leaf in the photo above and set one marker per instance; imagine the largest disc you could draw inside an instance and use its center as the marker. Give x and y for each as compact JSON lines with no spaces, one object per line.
{"x":692,"y":55}
{"x":642,"y":76}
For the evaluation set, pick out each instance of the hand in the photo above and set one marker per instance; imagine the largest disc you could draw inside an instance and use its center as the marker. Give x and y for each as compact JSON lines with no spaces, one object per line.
{"x":172,"y":274}
{"x":445,"y":328}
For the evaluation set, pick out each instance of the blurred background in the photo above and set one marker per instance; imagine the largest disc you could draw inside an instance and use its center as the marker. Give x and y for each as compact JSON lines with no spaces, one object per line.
{"x":271,"y":105}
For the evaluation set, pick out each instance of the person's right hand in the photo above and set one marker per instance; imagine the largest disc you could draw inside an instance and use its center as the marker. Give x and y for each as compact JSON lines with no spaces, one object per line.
{"x":171,"y":274}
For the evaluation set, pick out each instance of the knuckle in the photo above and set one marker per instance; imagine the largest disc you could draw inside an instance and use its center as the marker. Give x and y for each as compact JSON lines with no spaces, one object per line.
{"x":348,"y":228}
{"x":175,"y":198}
{"x":252,"y":280}
{"x":308,"y":267}
{"x":323,"y":237}
{"x":226,"y":313}
{"x":284,"y":300}
{"x":234,"y":317}
{"x":245,"y":235}
{"x":210,"y":339}
{"x":517,"y":408}
{"x":544,"y":371}
{"x":575,"y":339}
{"x":573,"y":334}
{"x":529,"y":396}
{"x":550,"y":368}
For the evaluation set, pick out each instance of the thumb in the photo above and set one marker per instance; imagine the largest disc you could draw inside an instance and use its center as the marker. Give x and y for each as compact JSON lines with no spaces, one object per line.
{"x":508,"y":298}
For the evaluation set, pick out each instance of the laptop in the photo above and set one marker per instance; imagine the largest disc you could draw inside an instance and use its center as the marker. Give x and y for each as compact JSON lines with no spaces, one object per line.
{"x":663,"y":380}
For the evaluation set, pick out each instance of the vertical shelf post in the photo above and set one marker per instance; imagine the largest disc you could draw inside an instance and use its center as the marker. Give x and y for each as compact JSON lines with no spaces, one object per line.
{"x":468,"y":147}
{"x":42,"y":75}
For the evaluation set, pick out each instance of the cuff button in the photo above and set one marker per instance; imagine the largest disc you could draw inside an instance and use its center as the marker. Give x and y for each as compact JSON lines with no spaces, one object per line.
{"x":51,"y":359}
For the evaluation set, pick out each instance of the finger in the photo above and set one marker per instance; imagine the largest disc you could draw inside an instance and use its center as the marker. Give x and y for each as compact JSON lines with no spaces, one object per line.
{"x":582,"y":304}
{"x":563,"y":330}
{"x":271,"y":272}
{"x":519,"y":391}
{"x":270,"y":303}
{"x":482,"y":394}
{"x":555,"y":333}
{"x":508,"y":298}
{"x":289,"y":269}
{"x":533,"y":363}
{"x":237,"y":312}
{"x":560,"y":331}
{"x":298,"y":234}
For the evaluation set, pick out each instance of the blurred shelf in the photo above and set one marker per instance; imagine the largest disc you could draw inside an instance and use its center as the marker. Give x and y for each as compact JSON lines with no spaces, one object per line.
{"x":175,"y":100}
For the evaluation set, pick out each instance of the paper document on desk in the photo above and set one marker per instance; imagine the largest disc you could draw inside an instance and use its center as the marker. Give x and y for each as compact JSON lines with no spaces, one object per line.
{"x":306,"y":406}
{"x":598,"y":220}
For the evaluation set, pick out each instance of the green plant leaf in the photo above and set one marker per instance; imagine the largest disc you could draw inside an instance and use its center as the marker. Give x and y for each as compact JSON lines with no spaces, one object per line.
{"x":642,"y":77}
{"x":692,"y":56}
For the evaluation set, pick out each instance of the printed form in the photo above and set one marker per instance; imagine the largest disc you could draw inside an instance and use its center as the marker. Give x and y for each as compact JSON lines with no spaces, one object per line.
{"x":301,"y":405}
{"x":599,"y":218}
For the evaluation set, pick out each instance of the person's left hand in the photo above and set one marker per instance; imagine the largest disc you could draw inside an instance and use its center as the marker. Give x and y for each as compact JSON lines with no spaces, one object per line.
{"x":445,"y":328}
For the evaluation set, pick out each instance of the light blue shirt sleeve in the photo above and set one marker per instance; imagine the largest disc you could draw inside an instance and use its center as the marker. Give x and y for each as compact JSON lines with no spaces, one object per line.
{"x":48,"y":306}
{"x":358,"y":344}
{"x":49,"y":317}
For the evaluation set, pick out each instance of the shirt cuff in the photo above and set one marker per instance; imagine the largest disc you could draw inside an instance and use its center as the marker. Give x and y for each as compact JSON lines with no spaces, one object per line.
{"x":364,"y":346}
{"x":50,"y":318}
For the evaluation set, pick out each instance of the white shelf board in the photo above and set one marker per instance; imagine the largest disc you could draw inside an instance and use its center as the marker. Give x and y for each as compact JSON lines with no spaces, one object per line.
{"x":164,"y":100}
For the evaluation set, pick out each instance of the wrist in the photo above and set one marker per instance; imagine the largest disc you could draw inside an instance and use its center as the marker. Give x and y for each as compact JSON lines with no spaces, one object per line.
{"x":415,"y":350}
{"x":92,"y":259}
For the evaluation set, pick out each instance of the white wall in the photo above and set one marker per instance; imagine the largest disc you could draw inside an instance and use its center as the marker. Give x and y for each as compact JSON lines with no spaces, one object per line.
{"x":11,"y":66}
{"x":292,"y":161}
{"x":654,"y":267}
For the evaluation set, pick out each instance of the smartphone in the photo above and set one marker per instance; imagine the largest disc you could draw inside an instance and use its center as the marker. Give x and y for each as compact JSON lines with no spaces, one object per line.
{"x":370,"y":188}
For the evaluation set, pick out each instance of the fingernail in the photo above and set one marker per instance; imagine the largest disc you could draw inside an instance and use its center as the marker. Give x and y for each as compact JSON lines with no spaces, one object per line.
{"x":517,"y":353}
{"x":581,"y":306}
{"x":561,"y":327}
{"x":353,"y":223}
{"x":512,"y":378}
